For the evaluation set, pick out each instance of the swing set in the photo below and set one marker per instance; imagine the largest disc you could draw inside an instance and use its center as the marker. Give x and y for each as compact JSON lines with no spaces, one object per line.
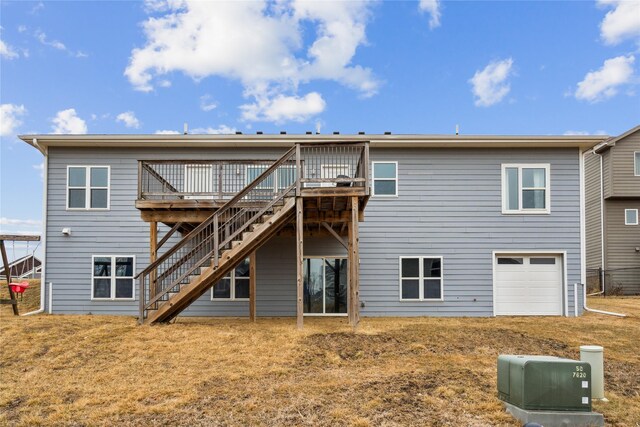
{"x":14,"y":288}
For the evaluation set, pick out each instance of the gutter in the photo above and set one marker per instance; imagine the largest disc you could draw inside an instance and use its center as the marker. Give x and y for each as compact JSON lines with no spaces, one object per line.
{"x":44,"y":232}
{"x":593,"y":310}
{"x":601,"y":278}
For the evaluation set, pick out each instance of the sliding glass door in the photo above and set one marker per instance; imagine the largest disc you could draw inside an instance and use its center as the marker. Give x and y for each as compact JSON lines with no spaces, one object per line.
{"x":325,"y":286}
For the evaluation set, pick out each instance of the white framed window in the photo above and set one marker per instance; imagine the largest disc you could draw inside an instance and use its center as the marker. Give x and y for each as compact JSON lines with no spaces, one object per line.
{"x":385,"y":179}
{"x":88,"y":187}
{"x":235,"y":286}
{"x":631,"y":217}
{"x":286,"y":176}
{"x":636,"y":163}
{"x":526,"y":189}
{"x":112,"y":277}
{"x":421,"y":278}
{"x":283,"y":177}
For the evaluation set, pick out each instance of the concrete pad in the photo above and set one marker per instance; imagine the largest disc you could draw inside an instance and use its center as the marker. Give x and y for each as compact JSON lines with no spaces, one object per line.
{"x":556,"y":418}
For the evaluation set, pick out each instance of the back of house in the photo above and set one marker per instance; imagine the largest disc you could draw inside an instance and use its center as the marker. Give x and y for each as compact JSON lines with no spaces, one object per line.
{"x":314,"y":225}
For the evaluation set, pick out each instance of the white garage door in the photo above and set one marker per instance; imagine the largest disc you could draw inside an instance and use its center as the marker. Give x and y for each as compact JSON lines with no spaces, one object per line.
{"x":528,"y":285}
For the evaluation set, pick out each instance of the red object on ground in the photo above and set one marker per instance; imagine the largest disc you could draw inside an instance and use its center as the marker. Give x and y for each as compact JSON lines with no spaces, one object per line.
{"x":19,"y":288}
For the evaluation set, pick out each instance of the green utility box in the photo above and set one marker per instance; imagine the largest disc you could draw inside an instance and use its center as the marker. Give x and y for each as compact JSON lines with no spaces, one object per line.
{"x":544,"y":383}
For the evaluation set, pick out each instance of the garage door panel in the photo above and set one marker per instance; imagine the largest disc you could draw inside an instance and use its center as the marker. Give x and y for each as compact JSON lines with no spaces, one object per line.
{"x":529,"y":288}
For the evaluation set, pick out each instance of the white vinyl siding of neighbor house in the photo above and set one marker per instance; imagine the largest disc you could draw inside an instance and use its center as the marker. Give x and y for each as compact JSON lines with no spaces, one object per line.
{"x":449,"y":203}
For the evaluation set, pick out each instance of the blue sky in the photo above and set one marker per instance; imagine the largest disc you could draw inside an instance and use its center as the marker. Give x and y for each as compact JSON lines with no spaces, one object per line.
{"x":407,"y":67}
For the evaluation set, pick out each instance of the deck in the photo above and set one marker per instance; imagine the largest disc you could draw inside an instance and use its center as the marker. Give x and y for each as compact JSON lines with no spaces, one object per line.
{"x":187,"y":192}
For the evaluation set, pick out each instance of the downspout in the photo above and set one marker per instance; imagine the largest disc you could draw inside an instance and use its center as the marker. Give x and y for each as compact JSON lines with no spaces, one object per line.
{"x":44,"y":230}
{"x":610,"y":313}
{"x":601,"y":278}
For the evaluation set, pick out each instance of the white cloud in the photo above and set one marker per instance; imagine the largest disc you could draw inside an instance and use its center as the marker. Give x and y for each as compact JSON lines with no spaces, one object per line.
{"x":21,"y":222}
{"x":167,"y":132}
{"x":56,"y":44}
{"x":9,"y":120}
{"x":68,"y":122}
{"x":622,"y":22}
{"x":432,"y":7}
{"x":576,"y":132}
{"x":282,"y":108}
{"x":40,"y":168}
{"x":490,"y":85}
{"x":22,"y":28}
{"x":164,"y":83}
{"x":129,"y":119}
{"x":207,"y":103}
{"x":605,"y":82}
{"x":259,"y":43}
{"x":7,"y":51}
{"x":583,"y":132}
{"x":220,"y":130}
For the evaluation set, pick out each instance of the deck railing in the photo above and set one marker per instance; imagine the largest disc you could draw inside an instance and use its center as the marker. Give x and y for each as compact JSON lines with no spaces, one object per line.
{"x":284,"y":177}
{"x":323,"y":165}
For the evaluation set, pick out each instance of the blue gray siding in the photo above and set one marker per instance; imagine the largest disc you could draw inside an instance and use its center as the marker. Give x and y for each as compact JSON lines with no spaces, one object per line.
{"x":449,"y":205}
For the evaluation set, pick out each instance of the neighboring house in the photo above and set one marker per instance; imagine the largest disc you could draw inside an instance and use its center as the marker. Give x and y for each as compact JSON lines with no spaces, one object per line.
{"x":612,"y":208}
{"x":441,"y":225}
{"x":27,"y":267}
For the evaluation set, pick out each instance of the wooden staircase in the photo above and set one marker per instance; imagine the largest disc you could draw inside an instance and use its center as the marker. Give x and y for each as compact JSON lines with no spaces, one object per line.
{"x":216,"y":246}
{"x":198,"y":283}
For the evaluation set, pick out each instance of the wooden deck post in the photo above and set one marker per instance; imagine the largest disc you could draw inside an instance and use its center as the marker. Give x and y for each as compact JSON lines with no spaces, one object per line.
{"x":153,"y":255}
{"x":252,"y":286}
{"x":354,"y":265}
{"x":299,"y":262}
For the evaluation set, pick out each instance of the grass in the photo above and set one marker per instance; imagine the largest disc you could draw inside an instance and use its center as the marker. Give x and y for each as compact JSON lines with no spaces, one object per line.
{"x":96,"y":370}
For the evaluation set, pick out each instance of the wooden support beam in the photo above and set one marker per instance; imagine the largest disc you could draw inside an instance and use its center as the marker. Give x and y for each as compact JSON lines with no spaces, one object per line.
{"x":334,"y":234}
{"x":252,"y":286}
{"x":20,"y":237}
{"x":299,"y":262}
{"x":7,"y":272}
{"x":166,"y":237}
{"x":153,"y":255}
{"x":354,"y":266}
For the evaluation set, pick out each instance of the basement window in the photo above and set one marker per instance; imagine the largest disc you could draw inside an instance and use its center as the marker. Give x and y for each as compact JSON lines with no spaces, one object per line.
{"x":235,"y":286}
{"x":631,"y":217}
{"x":112,"y":277}
{"x":88,"y":187}
{"x":421,"y":278}
{"x":525,"y":189}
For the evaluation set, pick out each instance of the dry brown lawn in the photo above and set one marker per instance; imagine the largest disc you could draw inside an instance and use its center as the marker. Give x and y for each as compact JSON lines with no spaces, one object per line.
{"x":96,"y":370}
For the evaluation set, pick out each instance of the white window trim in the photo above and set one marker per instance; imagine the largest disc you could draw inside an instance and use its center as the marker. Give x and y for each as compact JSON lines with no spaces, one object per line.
{"x":87,"y":187}
{"x":635,"y":163}
{"x":520,"y":210}
{"x":421,"y":278}
{"x":232,"y":284}
{"x":625,"y":217}
{"x":373,"y":179}
{"x":113,"y":278}
{"x":324,"y":302}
